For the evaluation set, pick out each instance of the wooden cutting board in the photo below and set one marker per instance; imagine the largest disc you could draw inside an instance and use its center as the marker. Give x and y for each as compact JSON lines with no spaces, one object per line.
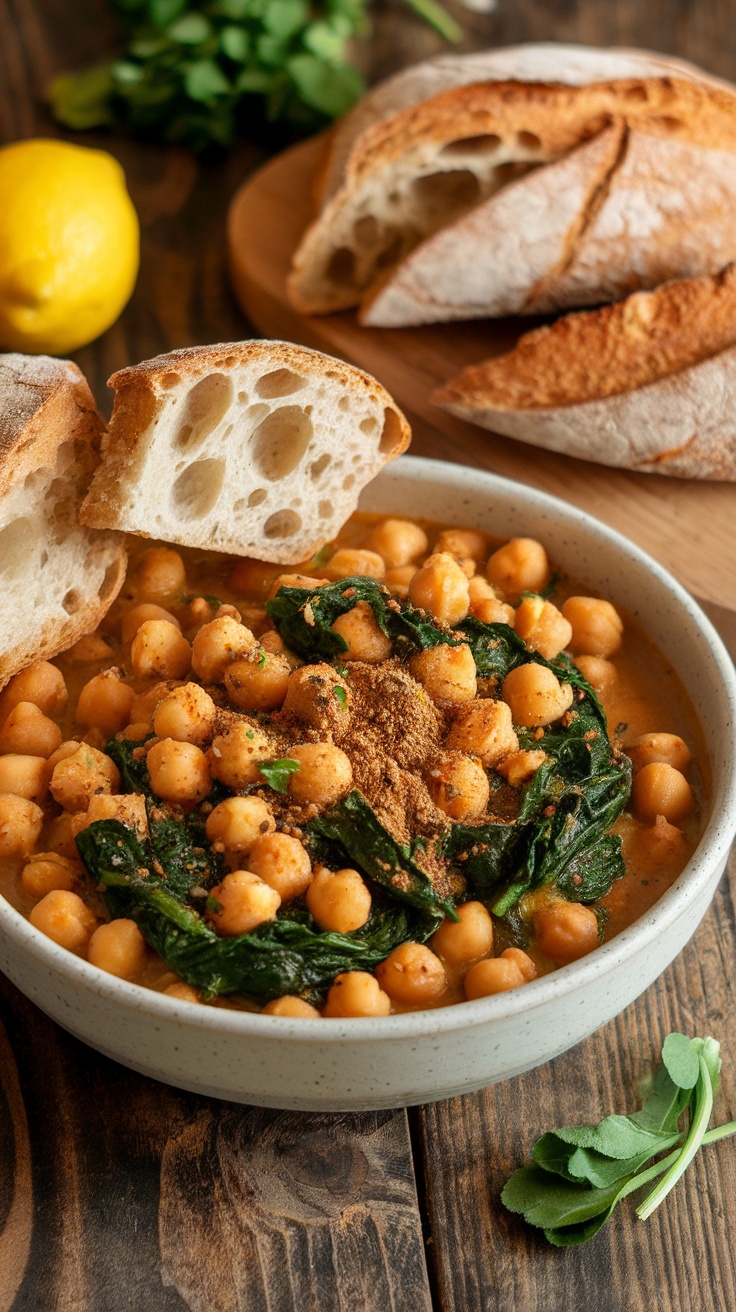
{"x":688,"y":526}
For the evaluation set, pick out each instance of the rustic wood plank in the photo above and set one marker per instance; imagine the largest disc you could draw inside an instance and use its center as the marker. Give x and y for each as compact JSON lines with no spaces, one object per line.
{"x":682,"y":1257}
{"x":117,"y":1192}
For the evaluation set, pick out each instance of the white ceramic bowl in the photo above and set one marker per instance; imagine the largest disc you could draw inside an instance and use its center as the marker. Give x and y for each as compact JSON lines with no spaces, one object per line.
{"x":331,"y":1065}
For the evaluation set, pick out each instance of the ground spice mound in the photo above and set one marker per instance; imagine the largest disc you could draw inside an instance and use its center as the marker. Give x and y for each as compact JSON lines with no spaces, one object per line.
{"x":393,"y":732}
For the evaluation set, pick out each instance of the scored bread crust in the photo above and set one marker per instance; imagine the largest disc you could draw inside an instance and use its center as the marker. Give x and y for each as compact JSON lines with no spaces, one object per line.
{"x":574,"y":65}
{"x":256,"y":448}
{"x":59,"y":579}
{"x":408,"y":176}
{"x":647,"y":383}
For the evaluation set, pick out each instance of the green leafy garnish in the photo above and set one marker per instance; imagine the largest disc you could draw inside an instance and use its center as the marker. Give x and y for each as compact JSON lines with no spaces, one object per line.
{"x":194,"y":71}
{"x":580,"y":1173}
{"x":278,"y":773}
{"x":341,"y":695}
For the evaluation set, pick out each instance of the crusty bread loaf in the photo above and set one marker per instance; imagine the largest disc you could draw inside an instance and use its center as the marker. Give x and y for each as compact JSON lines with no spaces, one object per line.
{"x":625,"y":211}
{"x":573,"y":65}
{"x":257,"y":448}
{"x":410,"y":175}
{"x":58,"y":579}
{"x":647,"y":383}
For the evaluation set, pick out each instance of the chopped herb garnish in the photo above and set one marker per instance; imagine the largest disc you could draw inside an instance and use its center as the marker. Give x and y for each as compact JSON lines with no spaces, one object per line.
{"x":278,"y":773}
{"x":580,"y":1173}
{"x":341,"y":695}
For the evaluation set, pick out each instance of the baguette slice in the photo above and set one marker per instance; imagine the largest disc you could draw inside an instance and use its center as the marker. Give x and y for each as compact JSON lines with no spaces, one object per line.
{"x":409,"y":176}
{"x":649,"y":383}
{"x":256,"y":448}
{"x":58,"y":579}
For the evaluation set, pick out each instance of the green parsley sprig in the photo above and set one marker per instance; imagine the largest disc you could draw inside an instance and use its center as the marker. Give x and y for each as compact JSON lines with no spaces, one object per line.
{"x":581,"y":1172}
{"x":196,"y":71}
{"x":278,"y":773}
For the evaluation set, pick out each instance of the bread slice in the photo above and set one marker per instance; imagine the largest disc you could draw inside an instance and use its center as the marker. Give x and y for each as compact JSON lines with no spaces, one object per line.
{"x":256,"y":448}
{"x":408,"y":176}
{"x":649,"y":383}
{"x":572,"y":65}
{"x":58,"y":579}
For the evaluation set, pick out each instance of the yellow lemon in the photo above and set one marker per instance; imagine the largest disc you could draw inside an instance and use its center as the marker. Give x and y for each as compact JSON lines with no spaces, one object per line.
{"x":69,"y":245}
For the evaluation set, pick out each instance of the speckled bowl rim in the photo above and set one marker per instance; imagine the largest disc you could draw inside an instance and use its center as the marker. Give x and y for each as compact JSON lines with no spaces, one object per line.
{"x":711,"y":853}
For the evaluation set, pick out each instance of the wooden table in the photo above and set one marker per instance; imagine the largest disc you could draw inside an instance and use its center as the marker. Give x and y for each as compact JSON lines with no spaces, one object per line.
{"x":119,"y":1193}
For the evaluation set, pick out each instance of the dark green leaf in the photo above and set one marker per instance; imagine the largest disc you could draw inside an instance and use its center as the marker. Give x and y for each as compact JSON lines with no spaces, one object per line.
{"x":204,"y":81}
{"x":284,"y":18}
{"x":234,"y":43}
{"x":329,"y":88}
{"x":191,"y":29}
{"x":681,"y":1060}
{"x":546,"y":1201}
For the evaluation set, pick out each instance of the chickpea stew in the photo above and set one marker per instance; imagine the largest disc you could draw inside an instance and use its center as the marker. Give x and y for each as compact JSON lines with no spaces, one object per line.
{"x":420,"y":768}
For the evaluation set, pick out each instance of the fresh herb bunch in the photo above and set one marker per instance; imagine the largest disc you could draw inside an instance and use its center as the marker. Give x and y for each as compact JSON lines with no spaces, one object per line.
{"x":196,"y":71}
{"x":582,"y":1172}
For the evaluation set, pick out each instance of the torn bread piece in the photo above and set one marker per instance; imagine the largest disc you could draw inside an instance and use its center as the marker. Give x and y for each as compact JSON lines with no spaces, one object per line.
{"x":410,"y":175}
{"x":648,"y":383}
{"x":256,"y":448}
{"x":58,"y":579}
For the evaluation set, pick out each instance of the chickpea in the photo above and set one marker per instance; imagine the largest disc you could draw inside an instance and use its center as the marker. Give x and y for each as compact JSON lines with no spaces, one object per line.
{"x":483,"y":729}
{"x":41,"y":684}
{"x":281,"y":862}
{"x":238,"y":822}
{"x":600,"y":673}
{"x":183,"y":992}
{"x":128,"y":808}
{"x":62,"y":832}
{"x":467,"y":939}
{"x":119,"y":948}
{"x":659,"y":748}
{"x":350,"y":561}
{"x":465,"y":544}
{"x":63,"y":917}
{"x":25,"y":776}
{"x":397,"y":580}
{"x":542,"y":626}
{"x":366,"y":640}
{"x":398,"y":541}
{"x":340,"y":902}
{"x":520,"y":565}
{"x":259,"y":681}
{"x":412,"y":975}
{"x":104,"y":703}
{"x":63,"y":752}
{"x":252,"y":577}
{"x":292,"y":1007}
{"x":295,"y":581}
{"x":88,"y":649}
{"x":659,"y":789}
{"x":144,"y":703}
{"x":29,"y":732}
{"x":236,"y":755}
{"x":46,"y":872}
{"x":597,"y":629}
{"x":494,"y":975}
{"x":187,"y":714}
{"x":244,"y":902}
{"x":160,"y":573}
{"x":441,"y":587}
{"x":77,"y":778}
{"x":218,"y":644}
{"x":178,"y":771}
{"x":491,"y":611}
{"x":458,"y":785}
{"x":159,"y":650}
{"x":535,"y":695}
{"x":566,"y":931}
{"x":519,"y":767}
{"x":317,"y":695}
{"x":356,"y":993}
{"x":20,"y":825}
{"x":446,"y":673}
{"x":137,"y":615}
{"x":271,"y":641}
{"x":324,"y":775}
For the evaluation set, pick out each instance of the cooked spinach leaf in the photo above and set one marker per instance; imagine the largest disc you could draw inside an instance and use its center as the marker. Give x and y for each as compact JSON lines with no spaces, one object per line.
{"x":287,"y":955}
{"x":353,"y":826}
{"x":131,"y":763}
